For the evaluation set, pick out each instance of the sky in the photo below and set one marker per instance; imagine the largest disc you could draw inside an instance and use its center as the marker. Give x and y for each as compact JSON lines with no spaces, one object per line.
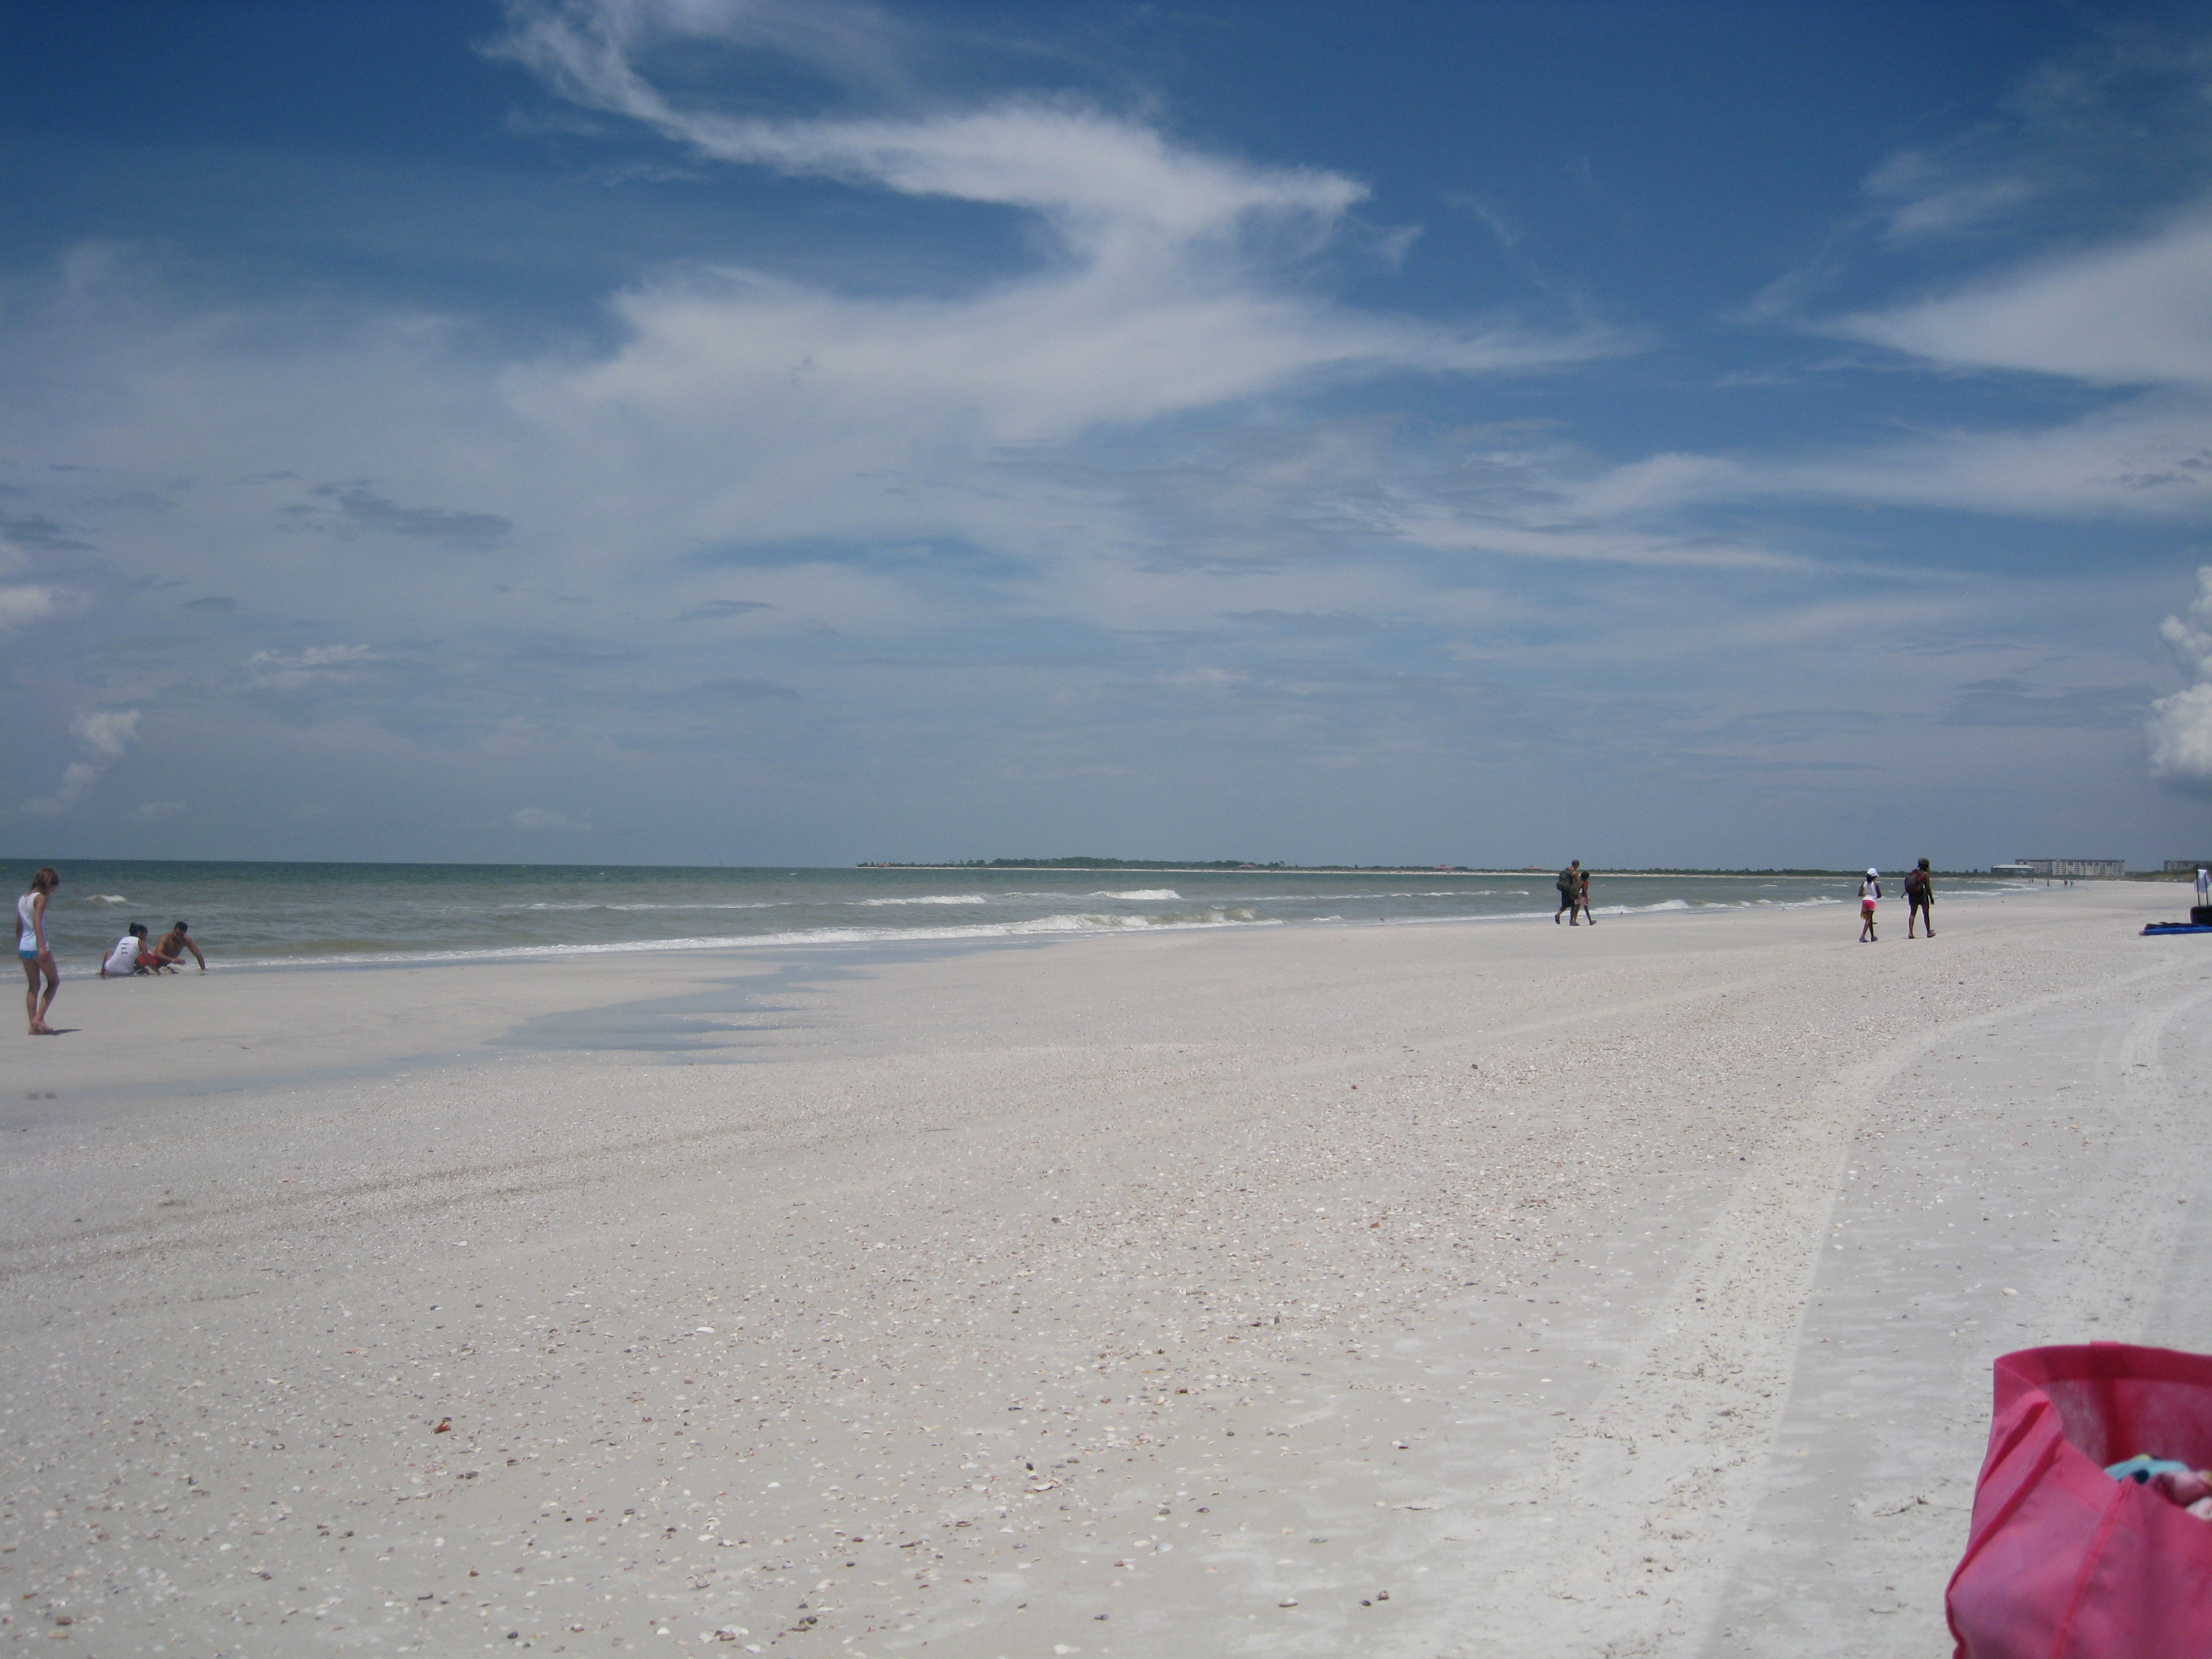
{"x":741,"y":432}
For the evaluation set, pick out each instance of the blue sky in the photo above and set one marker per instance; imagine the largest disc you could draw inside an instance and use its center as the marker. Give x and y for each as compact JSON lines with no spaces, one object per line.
{"x":704,"y":431}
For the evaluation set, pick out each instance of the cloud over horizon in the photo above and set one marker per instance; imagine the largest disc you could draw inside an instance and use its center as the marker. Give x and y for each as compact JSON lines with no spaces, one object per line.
{"x":2181,"y":724}
{"x":843,"y":422}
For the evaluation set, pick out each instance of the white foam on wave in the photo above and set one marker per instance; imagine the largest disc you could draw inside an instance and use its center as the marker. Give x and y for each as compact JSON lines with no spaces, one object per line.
{"x":1142,"y":894}
{"x":1054,"y":925}
{"x":1712,"y":904}
{"x":930,"y":898}
{"x":606,"y":904}
{"x":106,"y":898}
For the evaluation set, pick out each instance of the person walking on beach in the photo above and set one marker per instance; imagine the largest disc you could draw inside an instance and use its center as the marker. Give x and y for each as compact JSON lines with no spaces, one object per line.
{"x":1570,"y":893}
{"x":1920,"y":899}
{"x":2203,"y":886}
{"x":1870,"y":892}
{"x":35,"y":954}
{"x":1589,"y":914}
{"x":171,"y":951}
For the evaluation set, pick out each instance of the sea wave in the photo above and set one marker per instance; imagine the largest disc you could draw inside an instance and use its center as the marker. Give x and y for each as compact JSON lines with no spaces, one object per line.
{"x":688,"y":904}
{"x":1144,"y":895}
{"x":1036,"y":925}
{"x":106,"y":898}
{"x":921,"y":898}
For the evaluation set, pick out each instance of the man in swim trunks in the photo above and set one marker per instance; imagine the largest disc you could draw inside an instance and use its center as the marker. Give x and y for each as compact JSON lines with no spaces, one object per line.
{"x":1920,"y":899}
{"x":171,"y":951}
{"x":1570,"y":892}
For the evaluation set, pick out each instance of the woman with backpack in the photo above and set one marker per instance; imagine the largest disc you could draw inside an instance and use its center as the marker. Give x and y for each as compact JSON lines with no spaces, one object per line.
{"x":1920,"y":900}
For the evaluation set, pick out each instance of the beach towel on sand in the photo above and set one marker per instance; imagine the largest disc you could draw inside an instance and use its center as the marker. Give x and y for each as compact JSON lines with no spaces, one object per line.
{"x":2063,"y":1561}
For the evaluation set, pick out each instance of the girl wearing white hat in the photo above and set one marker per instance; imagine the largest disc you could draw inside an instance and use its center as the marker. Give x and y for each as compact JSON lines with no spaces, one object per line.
{"x":1869,"y":891}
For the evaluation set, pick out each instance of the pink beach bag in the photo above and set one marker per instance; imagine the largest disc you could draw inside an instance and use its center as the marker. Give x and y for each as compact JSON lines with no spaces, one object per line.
{"x":2063,"y":1561}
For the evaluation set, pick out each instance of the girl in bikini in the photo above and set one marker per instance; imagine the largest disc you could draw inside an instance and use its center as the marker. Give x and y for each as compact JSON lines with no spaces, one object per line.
{"x":32,"y":951}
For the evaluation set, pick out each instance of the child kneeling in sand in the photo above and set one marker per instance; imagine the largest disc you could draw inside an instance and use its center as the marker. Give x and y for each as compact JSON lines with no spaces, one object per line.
{"x":129,"y":955}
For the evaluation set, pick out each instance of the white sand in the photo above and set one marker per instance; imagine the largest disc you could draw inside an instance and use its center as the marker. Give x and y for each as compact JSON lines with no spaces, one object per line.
{"x":1617,"y":1291}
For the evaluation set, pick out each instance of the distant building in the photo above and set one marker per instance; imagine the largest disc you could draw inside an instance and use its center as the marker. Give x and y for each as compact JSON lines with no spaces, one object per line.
{"x":2186,"y":867}
{"x":2108,"y":868}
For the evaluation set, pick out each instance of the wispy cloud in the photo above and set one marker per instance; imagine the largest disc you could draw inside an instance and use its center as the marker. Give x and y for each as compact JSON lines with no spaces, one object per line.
{"x":2136,"y":312}
{"x":289,"y":670}
{"x":23,"y":604}
{"x":584,"y":46}
{"x":1164,"y":289}
{"x":104,"y":735}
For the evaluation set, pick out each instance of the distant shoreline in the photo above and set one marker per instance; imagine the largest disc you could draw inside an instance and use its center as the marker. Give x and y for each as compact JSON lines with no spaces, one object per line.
{"x":1223,"y":867}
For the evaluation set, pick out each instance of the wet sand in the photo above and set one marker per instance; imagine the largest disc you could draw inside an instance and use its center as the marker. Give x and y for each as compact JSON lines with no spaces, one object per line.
{"x":1447,"y":1290}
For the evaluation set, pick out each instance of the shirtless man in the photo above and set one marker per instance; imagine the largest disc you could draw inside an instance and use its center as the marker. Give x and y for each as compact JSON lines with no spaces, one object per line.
{"x":170,"y":950}
{"x":1570,"y":892}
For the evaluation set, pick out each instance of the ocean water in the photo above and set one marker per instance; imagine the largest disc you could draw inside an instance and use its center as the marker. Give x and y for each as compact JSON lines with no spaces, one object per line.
{"x":292,"y":915}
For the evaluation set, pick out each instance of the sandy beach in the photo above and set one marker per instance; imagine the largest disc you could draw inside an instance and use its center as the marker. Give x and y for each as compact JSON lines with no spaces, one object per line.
{"x":1424,"y":1291}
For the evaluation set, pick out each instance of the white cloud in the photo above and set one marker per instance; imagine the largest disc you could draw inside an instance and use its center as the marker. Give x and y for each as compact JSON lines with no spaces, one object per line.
{"x":2181,"y":737}
{"x":2181,"y":724}
{"x":1944,"y":211}
{"x":107,"y":733}
{"x":1164,"y":289}
{"x":2132,"y":312}
{"x":2191,"y":640}
{"x":1105,"y":180}
{"x":585,"y":42}
{"x":22,"y":606}
{"x":2149,"y":457}
{"x":1924,"y":195}
{"x":76,"y":778}
{"x":290,"y":669}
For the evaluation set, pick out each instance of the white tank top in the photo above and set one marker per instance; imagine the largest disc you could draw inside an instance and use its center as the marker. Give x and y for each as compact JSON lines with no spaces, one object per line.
{"x":28,"y":939}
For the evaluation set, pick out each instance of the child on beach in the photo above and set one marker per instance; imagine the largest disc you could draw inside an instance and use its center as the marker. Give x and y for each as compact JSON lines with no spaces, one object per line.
{"x":128,"y":955}
{"x":1870,"y":892}
{"x":32,"y":951}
